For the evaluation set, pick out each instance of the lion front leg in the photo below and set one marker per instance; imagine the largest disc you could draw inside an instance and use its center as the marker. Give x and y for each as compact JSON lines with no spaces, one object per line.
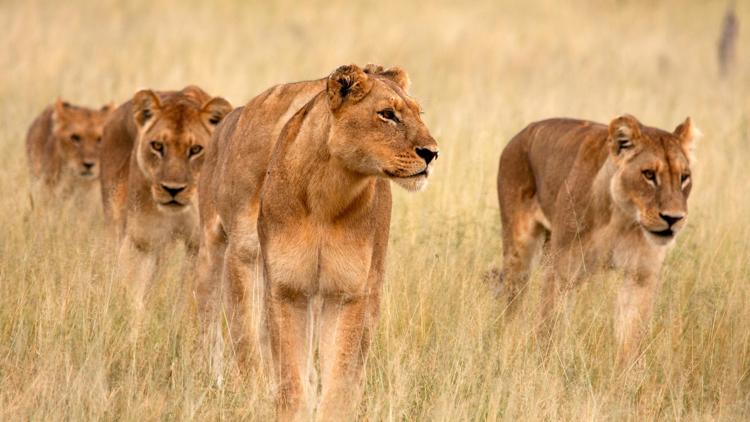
{"x":289,"y":334}
{"x":137,"y":264}
{"x":559,"y":281}
{"x":634,"y":307}
{"x":346,"y":331}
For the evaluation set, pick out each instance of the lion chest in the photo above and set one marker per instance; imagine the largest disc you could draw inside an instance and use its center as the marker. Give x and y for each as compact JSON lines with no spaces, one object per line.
{"x":155,"y":228}
{"x":322,"y":259}
{"x":619,"y":245}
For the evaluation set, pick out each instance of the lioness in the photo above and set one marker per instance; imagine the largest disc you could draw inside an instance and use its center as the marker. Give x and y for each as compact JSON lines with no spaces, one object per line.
{"x":608,"y":196}
{"x":322,"y":200}
{"x":153,"y":150}
{"x":62,"y":146}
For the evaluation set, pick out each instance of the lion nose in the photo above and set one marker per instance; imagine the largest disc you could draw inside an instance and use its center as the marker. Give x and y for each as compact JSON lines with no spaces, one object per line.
{"x":427,"y":154}
{"x":672,"y":218}
{"x":173,"y":189}
{"x":88,"y":165}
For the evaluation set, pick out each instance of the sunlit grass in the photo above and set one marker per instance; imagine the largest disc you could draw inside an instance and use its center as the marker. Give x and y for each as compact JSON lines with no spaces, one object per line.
{"x":482,"y":71}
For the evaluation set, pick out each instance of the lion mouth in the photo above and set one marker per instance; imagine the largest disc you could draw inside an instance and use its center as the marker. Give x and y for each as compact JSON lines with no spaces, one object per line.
{"x":87,"y":174}
{"x":172,"y":204}
{"x":663,"y":233}
{"x":423,"y":173}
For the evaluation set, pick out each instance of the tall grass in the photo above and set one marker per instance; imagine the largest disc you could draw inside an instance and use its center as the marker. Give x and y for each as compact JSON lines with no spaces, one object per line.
{"x":482,"y":70}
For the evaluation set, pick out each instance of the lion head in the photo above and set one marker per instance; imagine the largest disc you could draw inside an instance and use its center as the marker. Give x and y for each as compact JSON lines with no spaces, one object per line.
{"x":377,"y":128}
{"x":78,"y":133}
{"x":652,"y":180}
{"x":173,"y":132}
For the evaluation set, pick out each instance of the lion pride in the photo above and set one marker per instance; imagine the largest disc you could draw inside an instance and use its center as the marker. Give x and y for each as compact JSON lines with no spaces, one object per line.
{"x":300,"y":177}
{"x":154,"y":147}
{"x":63,"y":145}
{"x":606,"y":196}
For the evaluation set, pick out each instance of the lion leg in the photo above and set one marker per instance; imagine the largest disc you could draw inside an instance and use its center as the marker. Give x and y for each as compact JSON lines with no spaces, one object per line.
{"x":559,"y":280}
{"x":521,"y":241}
{"x":113,"y":201}
{"x":523,"y":223}
{"x":634,"y":307}
{"x":210,"y":264}
{"x":207,"y":293}
{"x":289,"y":333}
{"x":346,"y":331}
{"x":137,"y":262}
{"x":242,"y":278}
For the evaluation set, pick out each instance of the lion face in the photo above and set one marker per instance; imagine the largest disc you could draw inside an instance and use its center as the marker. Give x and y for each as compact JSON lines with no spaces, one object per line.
{"x":653,"y":179}
{"x":78,"y":133}
{"x":173,"y":133}
{"x":377,"y":128}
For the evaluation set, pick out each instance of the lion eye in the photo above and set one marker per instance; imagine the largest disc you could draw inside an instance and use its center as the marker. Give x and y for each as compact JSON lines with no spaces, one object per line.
{"x":649,"y":175}
{"x":388,"y":114}
{"x":684,"y":179}
{"x":75,"y":138}
{"x":195,"y":150}
{"x":157,"y":146}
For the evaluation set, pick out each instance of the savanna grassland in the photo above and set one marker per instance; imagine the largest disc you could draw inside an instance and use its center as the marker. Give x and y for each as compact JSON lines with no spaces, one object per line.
{"x":443,"y":351}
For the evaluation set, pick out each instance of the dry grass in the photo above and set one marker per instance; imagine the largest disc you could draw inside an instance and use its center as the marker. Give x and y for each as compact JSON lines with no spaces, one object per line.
{"x":443,"y":352}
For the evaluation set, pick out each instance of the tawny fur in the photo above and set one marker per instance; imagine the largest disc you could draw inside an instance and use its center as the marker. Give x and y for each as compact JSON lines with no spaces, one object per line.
{"x":300,"y":177}
{"x":606,"y":197}
{"x":63,"y":147}
{"x":154,"y":147}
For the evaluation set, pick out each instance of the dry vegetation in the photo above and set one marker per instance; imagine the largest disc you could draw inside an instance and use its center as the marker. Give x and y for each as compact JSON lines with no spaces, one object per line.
{"x":443,"y":351}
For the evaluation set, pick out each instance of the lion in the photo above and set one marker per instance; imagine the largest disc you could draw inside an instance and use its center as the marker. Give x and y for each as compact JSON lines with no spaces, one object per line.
{"x":153,"y":149}
{"x":605,"y":197}
{"x":296,"y":188}
{"x":62,"y":146}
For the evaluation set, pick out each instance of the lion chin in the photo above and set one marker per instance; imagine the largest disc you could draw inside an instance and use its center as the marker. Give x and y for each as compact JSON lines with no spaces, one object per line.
{"x":411,"y":184}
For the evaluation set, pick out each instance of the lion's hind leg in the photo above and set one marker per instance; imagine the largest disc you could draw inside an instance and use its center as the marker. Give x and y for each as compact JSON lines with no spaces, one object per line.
{"x":525,"y":228}
{"x":213,"y":245}
{"x":522,"y":239}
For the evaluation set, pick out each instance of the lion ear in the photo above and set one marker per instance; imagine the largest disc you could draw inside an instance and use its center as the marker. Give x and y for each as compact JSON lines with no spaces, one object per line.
{"x":196,"y":93}
{"x":214,"y":110}
{"x":373,"y":69}
{"x":60,"y":111}
{"x":395,"y":74}
{"x":624,"y":132}
{"x":347,"y":83}
{"x":398,"y":75}
{"x":146,"y":106}
{"x":688,"y":134}
{"x":107,"y":108}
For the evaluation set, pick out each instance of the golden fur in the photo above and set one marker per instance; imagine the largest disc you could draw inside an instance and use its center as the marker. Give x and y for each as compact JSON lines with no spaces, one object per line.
{"x":316,"y":205}
{"x":605,"y":196}
{"x":63,"y":146}
{"x":154,"y":147}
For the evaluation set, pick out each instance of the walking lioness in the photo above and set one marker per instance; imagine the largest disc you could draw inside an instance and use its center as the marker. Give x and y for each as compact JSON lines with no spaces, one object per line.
{"x":62,"y":146}
{"x":607,"y":196}
{"x":153,"y":151}
{"x":322,"y":201}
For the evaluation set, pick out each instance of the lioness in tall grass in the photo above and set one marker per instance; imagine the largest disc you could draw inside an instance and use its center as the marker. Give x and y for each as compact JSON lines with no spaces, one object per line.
{"x":321,"y":197}
{"x":63,"y":145}
{"x":153,"y":151}
{"x":609,"y":196}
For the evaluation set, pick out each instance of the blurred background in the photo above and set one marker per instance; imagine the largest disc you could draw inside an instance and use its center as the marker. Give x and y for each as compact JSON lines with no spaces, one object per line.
{"x":482,"y":71}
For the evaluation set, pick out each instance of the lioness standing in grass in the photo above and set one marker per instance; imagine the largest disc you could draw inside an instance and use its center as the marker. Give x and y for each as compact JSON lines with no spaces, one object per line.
{"x":63,"y":145}
{"x":153,"y":151}
{"x":322,"y":202}
{"x":609,"y":196}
